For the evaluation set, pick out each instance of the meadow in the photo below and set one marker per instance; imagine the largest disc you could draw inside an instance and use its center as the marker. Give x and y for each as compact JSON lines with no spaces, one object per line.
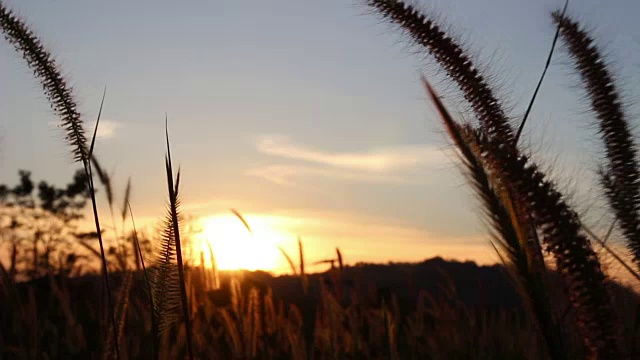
{"x":151,"y":296}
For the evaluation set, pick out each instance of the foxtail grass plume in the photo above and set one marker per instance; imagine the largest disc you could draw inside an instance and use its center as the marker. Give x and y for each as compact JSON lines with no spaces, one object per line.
{"x":45,"y":69}
{"x":562,"y":236}
{"x":174,"y":205}
{"x":508,"y":233}
{"x":559,"y":225}
{"x":620,"y":175}
{"x":455,"y":61}
{"x":62,"y":101}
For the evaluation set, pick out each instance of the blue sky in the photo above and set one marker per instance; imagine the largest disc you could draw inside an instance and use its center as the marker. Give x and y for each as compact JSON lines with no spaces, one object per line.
{"x":303,"y":110}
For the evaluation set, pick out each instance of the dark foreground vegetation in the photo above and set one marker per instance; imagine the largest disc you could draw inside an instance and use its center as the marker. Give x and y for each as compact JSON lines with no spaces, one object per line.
{"x":434,"y":309}
{"x":147,"y":301}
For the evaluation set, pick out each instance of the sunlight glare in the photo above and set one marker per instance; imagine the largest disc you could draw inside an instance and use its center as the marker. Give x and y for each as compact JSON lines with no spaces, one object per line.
{"x":235,"y":248}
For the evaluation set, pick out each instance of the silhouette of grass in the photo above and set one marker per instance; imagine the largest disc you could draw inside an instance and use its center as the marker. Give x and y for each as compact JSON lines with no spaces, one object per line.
{"x":507,"y":231}
{"x":62,"y":102}
{"x":173,"y":211}
{"x":620,"y":177}
{"x":338,"y":314}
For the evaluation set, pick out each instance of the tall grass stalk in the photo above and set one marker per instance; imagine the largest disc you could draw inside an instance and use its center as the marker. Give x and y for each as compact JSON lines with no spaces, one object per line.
{"x":289,"y":260}
{"x":556,"y":221}
{"x":214,"y":267}
{"x":105,"y":270}
{"x":173,"y":208}
{"x":62,"y":102}
{"x":544,"y":73}
{"x":611,"y":252}
{"x":621,"y":174}
{"x":154,"y":321}
{"x":303,"y":275}
{"x":561,"y":230}
{"x":243,"y":220}
{"x":508,"y":232}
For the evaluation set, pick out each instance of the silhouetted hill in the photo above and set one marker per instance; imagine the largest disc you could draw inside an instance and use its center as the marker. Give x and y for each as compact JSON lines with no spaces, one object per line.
{"x":466,"y":282}
{"x":469,"y":283}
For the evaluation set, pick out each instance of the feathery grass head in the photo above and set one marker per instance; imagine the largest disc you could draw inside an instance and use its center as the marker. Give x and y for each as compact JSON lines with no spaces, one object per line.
{"x":561,"y":233}
{"x":562,"y":236}
{"x":174,"y":205}
{"x":455,"y":61}
{"x":620,"y":176}
{"x":45,"y":69}
{"x":165,"y":289}
{"x":513,"y":244}
{"x":62,"y":101}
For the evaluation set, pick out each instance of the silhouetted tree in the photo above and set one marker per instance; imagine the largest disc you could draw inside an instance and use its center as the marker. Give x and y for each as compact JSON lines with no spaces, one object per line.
{"x":39,"y":223}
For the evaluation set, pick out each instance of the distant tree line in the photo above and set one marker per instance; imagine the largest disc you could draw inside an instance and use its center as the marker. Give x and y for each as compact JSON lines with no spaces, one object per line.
{"x":39,"y":225}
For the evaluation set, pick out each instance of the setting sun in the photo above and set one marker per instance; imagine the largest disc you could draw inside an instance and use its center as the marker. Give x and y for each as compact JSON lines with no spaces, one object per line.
{"x":234,"y":247}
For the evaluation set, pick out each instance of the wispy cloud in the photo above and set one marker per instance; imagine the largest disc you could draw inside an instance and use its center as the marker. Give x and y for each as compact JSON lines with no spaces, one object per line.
{"x":285,"y":174}
{"x":378,"y":165}
{"x":376,"y":159}
{"x":106,"y":129}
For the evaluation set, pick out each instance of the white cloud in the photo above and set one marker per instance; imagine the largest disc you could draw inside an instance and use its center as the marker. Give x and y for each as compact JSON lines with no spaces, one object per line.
{"x":376,"y":160}
{"x":378,"y":165}
{"x":285,"y":174}
{"x":106,"y":128}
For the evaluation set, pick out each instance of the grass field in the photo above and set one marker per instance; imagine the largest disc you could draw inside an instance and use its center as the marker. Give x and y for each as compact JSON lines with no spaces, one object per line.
{"x":147,"y":299}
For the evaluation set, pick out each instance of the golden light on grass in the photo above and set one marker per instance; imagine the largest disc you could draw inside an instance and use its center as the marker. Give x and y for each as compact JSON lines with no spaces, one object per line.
{"x":236,"y":248}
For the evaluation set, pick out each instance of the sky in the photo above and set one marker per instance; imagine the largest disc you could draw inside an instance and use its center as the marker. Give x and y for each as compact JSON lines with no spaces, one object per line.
{"x":306,"y":116}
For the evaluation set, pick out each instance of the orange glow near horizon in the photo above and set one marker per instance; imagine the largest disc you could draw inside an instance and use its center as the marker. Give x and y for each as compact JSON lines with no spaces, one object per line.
{"x":235,"y":248}
{"x":359,"y":240}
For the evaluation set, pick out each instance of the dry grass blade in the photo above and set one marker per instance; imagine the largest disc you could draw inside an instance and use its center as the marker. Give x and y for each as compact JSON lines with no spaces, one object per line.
{"x":507,"y":231}
{"x":127,"y":197}
{"x":95,"y":130}
{"x":104,"y":178}
{"x":544,"y":73}
{"x":289,"y":260}
{"x":612,"y":253}
{"x":609,"y":231}
{"x":340,"y":263}
{"x":121,"y":313}
{"x":173,"y":206}
{"x":105,"y":269}
{"x":90,"y":248}
{"x":303,"y":275}
{"x":214,"y":267}
{"x":241,"y":218}
{"x":154,"y":321}
{"x":621,"y":175}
